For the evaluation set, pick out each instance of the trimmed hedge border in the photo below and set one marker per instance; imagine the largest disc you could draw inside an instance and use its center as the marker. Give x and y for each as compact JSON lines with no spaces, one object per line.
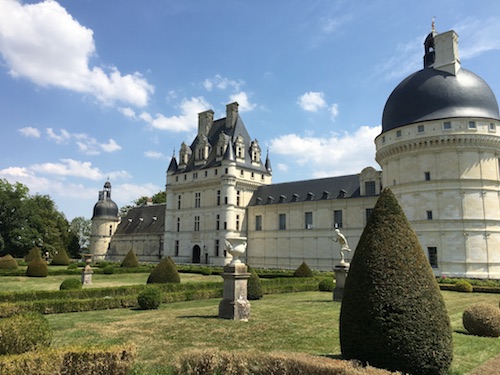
{"x":475,"y":288}
{"x":112,"y":360}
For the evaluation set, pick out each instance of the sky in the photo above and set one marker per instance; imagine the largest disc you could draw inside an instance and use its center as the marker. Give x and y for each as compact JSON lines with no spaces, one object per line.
{"x":92,"y":90}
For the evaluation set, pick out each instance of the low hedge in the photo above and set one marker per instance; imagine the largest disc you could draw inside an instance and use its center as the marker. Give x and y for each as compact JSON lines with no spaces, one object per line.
{"x":102,"y":360}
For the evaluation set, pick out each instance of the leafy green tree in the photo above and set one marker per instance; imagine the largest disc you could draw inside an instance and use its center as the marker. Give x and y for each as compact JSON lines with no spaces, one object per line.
{"x":393,"y":315}
{"x":80,"y":228}
{"x":160,"y":197}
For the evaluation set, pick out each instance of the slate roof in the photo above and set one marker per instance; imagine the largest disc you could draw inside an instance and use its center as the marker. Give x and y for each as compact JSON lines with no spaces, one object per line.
{"x":153,"y":220}
{"x":300,"y":191}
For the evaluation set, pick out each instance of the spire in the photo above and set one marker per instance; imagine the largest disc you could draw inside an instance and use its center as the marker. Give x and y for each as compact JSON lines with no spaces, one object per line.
{"x":172,"y":167}
{"x":268,"y":163}
{"x":229,"y":155}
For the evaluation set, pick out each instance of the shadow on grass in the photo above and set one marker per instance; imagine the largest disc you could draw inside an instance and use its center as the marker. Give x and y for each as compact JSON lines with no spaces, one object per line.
{"x":198,"y":316}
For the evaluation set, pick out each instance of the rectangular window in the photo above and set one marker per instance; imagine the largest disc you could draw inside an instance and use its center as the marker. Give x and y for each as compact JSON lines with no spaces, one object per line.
{"x":282,"y":221}
{"x":178,"y":224}
{"x":176,"y":248}
{"x":217,"y":223}
{"x":110,"y":230}
{"x":421,"y":128}
{"x":337,"y":218}
{"x":308,"y":218}
{"x":427,"y":176}
{"x":398,"y":133}
{"x":472,"y":125}
{"x":237,"y":222}
{"x":258,"y":222}
{"x":447,"y":125}
{"x":225,"y":225}
{"x":429,"y":215}
{"x":383,"y":139}
{"x":195,"y":175}
{"x":492,"y":127}
{"x":433,"y":258}
{"x":218,"y":197}
{"x":238,"y":195}
{"x":216,"y":248}
{"x":215,"y":172}
{"x":197,"y":200}
{"x":370,"y":188}
{"x":225,"y":200}
{"x":196,"y":223}
{"x":368,"y":213}
{"x":179,"y":199}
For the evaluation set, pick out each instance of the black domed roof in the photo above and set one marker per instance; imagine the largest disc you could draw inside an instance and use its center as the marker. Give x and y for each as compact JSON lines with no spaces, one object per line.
{"x":105,"y":209}
{"x":431,"y":94}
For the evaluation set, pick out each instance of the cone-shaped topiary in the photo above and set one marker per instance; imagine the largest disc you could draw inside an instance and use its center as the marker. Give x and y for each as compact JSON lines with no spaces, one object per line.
{"x":164,"y":272}
{"x":33,"y":253}
{"x":303,"y":271}
{"x":8,"y":263}
{"x":61,"y":258}
{"x":254,"y":286}
{"x":482,"y":319}
{"x":393,"y":315}
{"x":130,"y":260}
{"x":37,"y":268}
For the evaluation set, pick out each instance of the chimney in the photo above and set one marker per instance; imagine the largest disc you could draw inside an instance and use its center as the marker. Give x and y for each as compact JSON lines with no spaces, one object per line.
{"x":446,"y":47}
{"x":231,"y":114}
{"x":205,"y":122}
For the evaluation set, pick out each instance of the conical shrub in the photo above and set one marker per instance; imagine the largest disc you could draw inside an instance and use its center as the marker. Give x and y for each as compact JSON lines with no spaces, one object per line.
{"x":303,"y":271}
{"x":164,"y":272}
{"x":130,"y":260}
{"x":393,"y":315}
{"x":254,"y":286}
{"x":37,"y":268}
{"x":8,"y":263}
{"x":61,"y":258}
{"x":35,"y":252}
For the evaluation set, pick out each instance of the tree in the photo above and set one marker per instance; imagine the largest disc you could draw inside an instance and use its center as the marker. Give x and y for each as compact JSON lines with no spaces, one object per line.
{"x":81,"y":228}
{"x":393,"y":315}
{"x":160,"y":197}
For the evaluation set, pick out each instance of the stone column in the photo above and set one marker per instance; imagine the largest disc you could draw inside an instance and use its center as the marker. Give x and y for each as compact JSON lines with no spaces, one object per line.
{"x":341,"y":271}
{"x":87,"y":271}
{"x":234,"y":304}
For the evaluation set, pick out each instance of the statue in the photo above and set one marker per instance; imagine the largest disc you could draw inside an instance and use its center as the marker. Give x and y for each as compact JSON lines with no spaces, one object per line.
{"x":344,"y":246}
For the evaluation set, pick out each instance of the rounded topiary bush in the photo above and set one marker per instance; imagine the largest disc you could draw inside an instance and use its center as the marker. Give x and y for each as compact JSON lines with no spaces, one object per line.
{"x":254,"y":286}
{"x":482,"y":319}
{"x":149,"y":298}
{"x":109,"y":270}
{"x":8,"y":263}
{"x":60,"y":259}
{"x":164,"y":272}
{"x":34,"y":253}
{"x":37,"y":268}
{"x":71,"y":284}
{"x":206,"y":271}
{"x":103,"y":264}
{"x":72,"y":266}
{"x":463,"y":286}
{"x":130,"y":260}
{"x":326,"y":285}
{"x":303,"y":271}
{"x":23,"y":333}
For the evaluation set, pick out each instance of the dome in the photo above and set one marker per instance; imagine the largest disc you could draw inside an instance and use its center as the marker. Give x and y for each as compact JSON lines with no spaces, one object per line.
{"x":431,"y":94}
{"x":105,"y":209}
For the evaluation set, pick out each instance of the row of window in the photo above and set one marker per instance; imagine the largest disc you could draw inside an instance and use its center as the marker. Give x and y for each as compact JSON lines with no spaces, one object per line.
{"x":217,"y":223}
{"x":217,"y":251}
{"x":216,"y":172}
{"x":197,"y":199}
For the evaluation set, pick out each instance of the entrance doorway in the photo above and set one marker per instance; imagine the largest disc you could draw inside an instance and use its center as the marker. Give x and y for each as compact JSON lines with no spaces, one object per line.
{"x":196,"y":254}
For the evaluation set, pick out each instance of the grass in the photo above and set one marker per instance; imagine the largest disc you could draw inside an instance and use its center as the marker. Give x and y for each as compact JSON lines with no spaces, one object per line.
{"x":304,"y":322}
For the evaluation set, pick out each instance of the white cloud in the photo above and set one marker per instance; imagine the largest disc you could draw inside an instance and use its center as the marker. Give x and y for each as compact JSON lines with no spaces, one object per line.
{"x":86,"y":144}
{"x":14,"y":172}
{"x":154,"y":155}
{"x":111,"y":146}
{"x":30,"y":132}
{"x":65,"y":136}
{"x":69,"y":167}
{"x":243,"y":101}
{"x":222,"y":83}
{"x":129,"y":192}
{"x":334,"y":111}
{"x":42,"y":42}
{"x":282,"y":167}
{"x":482,"y":36}
{"x":186,"y":121}
{"x":312,"y":101}
{"x":127,"y":112}
{"x":329,"y":156}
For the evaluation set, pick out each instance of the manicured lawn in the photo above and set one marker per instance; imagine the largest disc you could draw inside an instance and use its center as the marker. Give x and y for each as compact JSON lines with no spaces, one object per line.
{"x":296,"y":322}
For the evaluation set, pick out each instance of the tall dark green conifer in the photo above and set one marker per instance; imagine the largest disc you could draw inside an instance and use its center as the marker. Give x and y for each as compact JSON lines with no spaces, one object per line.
{"x":393,"y":315}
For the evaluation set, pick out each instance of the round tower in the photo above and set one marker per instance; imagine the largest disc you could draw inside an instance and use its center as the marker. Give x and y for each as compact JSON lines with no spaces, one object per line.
{"x":105,"y":219}
{"x":440,"y":154}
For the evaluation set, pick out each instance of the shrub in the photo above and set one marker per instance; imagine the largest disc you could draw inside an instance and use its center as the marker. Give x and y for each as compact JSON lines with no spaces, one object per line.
{"x":71,"y":284}
{"x":34,"y":253}
{"x":303,"y":271}
{"x":164,"y":272}
{"x":8,"y":263}
{"x":393,"y":315}
{"x":103,"y":264}
{"x":254,"y":286}
{"x":482,"y":319}
{"x":149,"y":298}
{"x":37,"y":268}
{"x":61,"y":258}
{"x":130,"y":260}
{"x":25,"y":332}
{"x":109,"y":270}
{"x":463,"y":286}
{"x":206,"y":271}
{"x":326,"y":285}
{"x":73,"y":266}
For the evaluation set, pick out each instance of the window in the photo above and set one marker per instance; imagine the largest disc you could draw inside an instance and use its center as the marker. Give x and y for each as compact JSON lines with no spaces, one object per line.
{"x":215,"y":172}
{"x":196,"y":223}
{"x":178,"y":224}
{"x":308,"y":220}
{"x":368,"y":213}
{"x":225,"y":225}
{"x":185,"y":177}
{"x":472,"y":125}
{"x":421,"y":128}
{"x":218,"y":197}
{"x":492,"y":127}
{"x":176,"y":248}
{"x":241,"y":173}
{"x":110,"y":230}
{"x":237,"y":222}
{"x":252,"y":175}
{"x":427,"y":176}
{"x":206,"y":173}
{"x":195,"y":175}
{"x":433,"y":258}
{"x":217,"y":223}
{"x":282,"y":221}
{"x":216,"y":248}
{"x":447,"y":125}
{"x":238,"y":194}
{"x":370,"y":188}
{"x":383,"y":139}
{"x":429,"y":215}
{"x":179,"y":199}
{"x":197,"y":200}
{"x":258,"y":222}
{"x":398,"y":133}
{"x":337,"y":218}
{"x":225,"y":200}
{"x":176,"y":178}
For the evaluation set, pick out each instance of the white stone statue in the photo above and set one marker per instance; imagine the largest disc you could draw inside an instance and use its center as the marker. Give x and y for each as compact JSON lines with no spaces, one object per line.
{"x":344,"y":246}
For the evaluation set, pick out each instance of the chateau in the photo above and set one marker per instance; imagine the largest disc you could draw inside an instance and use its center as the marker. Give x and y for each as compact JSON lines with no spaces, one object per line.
{"x":439,"y":151}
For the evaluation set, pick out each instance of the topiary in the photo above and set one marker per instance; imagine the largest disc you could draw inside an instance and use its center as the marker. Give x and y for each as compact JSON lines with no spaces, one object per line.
{"x":326,"y":285}
{"x":73,"y":266}
{"x":149,"y":298}
{"x":254,"y":286}
{"x":37,"y":268}
{"x":71,"y":284}
{"x":303,"y":271}
{"x":393,"y":315}
{"x":34,"y":253}
{"x":463,"y":286}
{"x":164,"y":272}
{"x":103,"y":264}
{"x":60,"y":259}
{"x":482,"y":319}
{"x":23,"y":333}
{"x":130,"y":260}
{"x":109,"y":270}
{"x":8,"y":263}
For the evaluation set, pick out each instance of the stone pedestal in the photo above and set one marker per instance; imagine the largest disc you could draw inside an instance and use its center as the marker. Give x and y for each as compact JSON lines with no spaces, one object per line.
{"x":87,"y":271}
{"x":341,"y":271}
{"x":234,"y":304}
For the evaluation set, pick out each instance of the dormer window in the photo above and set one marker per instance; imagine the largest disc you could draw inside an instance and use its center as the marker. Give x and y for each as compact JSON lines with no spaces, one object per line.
{"x":255,"y":151}
{"x":240,"y":147}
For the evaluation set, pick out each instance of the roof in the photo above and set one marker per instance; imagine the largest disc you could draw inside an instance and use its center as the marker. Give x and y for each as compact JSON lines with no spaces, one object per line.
{"x":105,"y":209}
{"x":147,"y":219}
{"x":314,"y":190}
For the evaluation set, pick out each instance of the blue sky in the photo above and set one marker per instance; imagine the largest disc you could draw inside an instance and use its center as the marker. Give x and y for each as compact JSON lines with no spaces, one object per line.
{"x":92,"y":89}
